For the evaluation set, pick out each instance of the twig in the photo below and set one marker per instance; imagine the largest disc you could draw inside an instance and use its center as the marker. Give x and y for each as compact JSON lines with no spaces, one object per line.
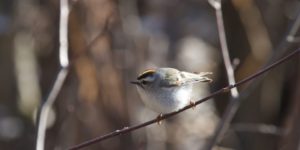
{"x":223,"y":90}
{"x":224,"y":47}
{"x":64,"y":63}
{"x":234,"y":102}
{"x":288,"y":38}
{"x":294,"y":29}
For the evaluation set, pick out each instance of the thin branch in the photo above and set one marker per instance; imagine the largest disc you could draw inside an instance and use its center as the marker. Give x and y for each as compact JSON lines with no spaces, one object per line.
{"x":288,"y":38}
{"x":46,"y":107}
{"x":165,"y":116}
{"x":234,"y":102}
{"x":63,"y":33}
{"x":224,"y":48}
{"x":64,"y":63}
{"x":294,"y":29}
{"x":224,"y":122}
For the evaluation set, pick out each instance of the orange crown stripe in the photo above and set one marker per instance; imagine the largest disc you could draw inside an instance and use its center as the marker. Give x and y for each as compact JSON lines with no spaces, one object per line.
{"x":146,"y":73}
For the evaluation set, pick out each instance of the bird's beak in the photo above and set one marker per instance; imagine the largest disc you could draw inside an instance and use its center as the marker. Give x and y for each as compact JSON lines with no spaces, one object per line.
{"x":135,"y":82}
{"x":138,"y":83}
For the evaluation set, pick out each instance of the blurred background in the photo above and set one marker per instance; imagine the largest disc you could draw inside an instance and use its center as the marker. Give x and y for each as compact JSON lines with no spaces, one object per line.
{"x":111,"y":42}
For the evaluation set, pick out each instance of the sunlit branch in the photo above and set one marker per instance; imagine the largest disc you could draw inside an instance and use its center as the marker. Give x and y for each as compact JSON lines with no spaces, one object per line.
{"x":64,"y":63}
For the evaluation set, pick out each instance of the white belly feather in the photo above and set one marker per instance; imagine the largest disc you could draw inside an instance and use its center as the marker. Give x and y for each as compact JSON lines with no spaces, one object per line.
{"x":167,"y":102}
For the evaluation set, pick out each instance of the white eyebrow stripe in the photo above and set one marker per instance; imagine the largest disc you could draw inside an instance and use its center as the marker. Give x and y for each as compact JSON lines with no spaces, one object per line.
{"x":148,"y":78}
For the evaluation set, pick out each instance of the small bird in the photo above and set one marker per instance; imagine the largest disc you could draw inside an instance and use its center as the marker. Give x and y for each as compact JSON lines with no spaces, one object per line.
{"x":165,"y":90}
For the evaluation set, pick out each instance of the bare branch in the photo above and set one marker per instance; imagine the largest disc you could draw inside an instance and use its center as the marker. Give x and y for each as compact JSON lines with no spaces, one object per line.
{"x":216,"y":4}
{"x":234,"y":103}
{"x":63,"y":33}
{"x":224,"y":47}
{"x":126,"y":130}
{"x":288,"y":39}
{"x":64,"y":63}
{"x":46,"y":107}
{"x":293,"y":30}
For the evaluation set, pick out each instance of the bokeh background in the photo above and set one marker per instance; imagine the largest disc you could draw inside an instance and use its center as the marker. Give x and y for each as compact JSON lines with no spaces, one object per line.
{"x":111,"y":42}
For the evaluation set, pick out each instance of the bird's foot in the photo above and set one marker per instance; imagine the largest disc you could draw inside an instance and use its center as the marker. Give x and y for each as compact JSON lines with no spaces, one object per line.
{"x":193,"y":104}
{"x":159,"y":119}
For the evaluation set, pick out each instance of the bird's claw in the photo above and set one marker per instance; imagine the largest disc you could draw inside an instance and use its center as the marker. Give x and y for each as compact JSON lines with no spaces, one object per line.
{"x":193,"y":104}
{"x":159,"y":119}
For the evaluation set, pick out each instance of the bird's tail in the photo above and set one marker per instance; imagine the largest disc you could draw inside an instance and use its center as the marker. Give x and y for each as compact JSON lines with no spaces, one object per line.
{"x":204,"y":77}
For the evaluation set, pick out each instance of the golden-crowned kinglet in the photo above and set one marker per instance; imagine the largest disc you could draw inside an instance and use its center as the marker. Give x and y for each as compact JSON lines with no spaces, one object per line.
{"x":167,"y":89}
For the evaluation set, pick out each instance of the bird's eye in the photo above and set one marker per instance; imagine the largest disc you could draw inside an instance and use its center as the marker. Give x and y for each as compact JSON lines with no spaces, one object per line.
{"x":144,"y":82}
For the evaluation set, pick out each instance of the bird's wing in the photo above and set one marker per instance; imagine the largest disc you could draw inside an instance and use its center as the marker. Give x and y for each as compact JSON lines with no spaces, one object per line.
{"x":184,"y":78}
{"x":188,"y":78}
